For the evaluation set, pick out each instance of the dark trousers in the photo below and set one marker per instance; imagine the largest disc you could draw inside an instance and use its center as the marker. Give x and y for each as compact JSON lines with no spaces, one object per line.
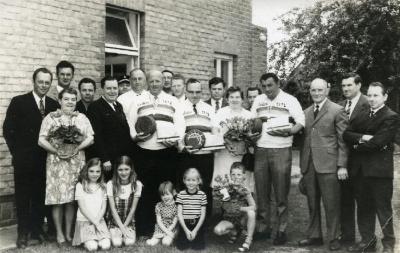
{"x":197,"y":243}
{"x":323,"y":186}
{"x":272,"y":167}
{"x":348,"y":207}
{"x":153,"y":167}
{"x":374,"y":197}
{"x":205,"y":165}
{"x":30,"y":185}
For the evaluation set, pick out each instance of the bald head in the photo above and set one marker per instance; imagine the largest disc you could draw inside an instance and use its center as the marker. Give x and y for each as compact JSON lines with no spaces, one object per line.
{"x":318,"y":90}
{"x":155,"y":81}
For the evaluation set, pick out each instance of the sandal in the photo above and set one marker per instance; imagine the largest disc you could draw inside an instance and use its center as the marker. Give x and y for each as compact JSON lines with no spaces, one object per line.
{"x":245,"y":246}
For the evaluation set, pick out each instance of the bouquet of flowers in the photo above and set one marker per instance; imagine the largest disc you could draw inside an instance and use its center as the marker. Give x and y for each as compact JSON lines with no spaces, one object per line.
{"x":64,"y":134}
{"x":231,"y":195}
{"x":237,"y":138}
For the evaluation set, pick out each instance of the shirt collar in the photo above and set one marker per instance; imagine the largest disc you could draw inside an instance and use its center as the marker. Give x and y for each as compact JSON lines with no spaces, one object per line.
{"x":354,"y":100}
{"x":37,"y":98}
{"x":320,"y":104}
{"x":377,"y":109}
{"x":59,"y":88}
{"x":111,"y":104}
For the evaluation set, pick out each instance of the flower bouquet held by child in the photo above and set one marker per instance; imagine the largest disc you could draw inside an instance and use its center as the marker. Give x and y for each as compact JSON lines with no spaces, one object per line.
{"x":238,"y":208}
{"x":240,"y":131}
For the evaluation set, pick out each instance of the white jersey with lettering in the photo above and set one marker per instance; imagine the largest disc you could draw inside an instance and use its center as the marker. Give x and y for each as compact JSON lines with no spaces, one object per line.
{"x":201,"y":119}
{"x":278,"y":110}
{"x":166,"y":111}
{"x":127,"y":98}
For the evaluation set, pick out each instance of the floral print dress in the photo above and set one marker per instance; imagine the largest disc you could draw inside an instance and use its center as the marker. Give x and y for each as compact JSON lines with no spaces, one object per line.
{"x":62,"y":174}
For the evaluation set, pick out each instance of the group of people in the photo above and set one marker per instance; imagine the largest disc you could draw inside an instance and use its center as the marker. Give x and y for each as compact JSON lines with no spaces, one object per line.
{"x":126,"y":181}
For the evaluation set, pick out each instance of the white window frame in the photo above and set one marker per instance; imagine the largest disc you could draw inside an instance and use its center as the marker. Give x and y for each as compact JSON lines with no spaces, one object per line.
{"x":134,"y":51}
{"x":224,"y":57}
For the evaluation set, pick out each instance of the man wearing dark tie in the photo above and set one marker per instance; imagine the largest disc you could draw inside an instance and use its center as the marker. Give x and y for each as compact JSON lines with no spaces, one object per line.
{"x":111,"y":129}
{"x":323,"y":162}
{"x":217,"y":89}
{"x":21,"y":132}
{"x":371,"y":136}
{"x":87,"y":89}
{"x":354,"y":103}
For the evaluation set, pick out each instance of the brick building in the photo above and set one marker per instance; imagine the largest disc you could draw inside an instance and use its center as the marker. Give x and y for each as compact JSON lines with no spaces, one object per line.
{"x":197,"y":38}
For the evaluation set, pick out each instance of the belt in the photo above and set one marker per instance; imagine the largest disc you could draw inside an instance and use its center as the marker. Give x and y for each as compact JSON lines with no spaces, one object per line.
{"x":191,"y":221}
{"x":162,"y":117}
{"x":201,"y":128}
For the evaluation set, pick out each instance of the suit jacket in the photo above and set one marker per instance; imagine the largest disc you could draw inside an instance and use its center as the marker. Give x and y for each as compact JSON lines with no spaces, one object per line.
{"x":80,"y":107}
{"x":21,"y":130}
{"x":323,"y":142}
{"x":361,"y":105}
{"x":111,"y":130}
{"x":375,"y":157}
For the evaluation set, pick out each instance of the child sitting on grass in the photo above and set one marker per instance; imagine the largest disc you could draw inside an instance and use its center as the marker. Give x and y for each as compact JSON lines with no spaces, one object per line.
{"x":240,"y":207}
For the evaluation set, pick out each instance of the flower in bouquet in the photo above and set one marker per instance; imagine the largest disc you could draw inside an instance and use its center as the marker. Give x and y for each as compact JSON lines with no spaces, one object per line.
{"x":221,"y":187}
{"x":65,"y":130}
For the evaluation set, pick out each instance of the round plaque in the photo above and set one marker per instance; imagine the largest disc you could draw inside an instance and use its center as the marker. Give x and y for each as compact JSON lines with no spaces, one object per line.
{"x":195,"y":139}
{"x":145,"y":125}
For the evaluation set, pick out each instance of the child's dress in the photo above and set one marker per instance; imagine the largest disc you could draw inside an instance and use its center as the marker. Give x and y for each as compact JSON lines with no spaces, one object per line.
{"x":167,"y":212}
{"x":84,"y":229}
{"x":123,"y":204}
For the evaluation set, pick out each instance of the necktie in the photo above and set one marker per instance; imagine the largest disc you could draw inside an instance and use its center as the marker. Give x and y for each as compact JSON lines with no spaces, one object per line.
{"x":216,"y":106}
{"x":194,"y":108}
{"x":316,"y":111}
{"x":371,"y":114}
{"x":348,"y":106}
{"x":41,"y":108}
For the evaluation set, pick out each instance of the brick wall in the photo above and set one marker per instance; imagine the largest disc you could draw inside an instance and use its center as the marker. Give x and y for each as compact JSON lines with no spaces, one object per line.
{"x":181,"y":35}
{"x":40,"y":33}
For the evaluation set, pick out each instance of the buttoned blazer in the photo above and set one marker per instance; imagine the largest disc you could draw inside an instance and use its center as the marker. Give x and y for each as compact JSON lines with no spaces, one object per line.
{"x":375,"y":157}
{"x":322,"y":139}
{"x":111,"y":130}
{"x":21,"y":129}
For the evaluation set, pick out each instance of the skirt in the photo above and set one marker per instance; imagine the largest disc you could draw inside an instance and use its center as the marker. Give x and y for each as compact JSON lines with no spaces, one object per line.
{"x":86,"y":231}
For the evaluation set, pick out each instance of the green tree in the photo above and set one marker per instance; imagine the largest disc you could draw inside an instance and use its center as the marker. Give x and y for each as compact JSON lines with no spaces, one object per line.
{"x":334,"y":37}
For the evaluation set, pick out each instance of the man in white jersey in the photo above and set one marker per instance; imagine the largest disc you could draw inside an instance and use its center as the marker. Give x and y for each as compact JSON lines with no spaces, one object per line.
{"x":273,"y":154}
{"x":178,"y":88}
{"x":156,"y":160}
{"x":198,"y":115}
{"x":138,"y":83}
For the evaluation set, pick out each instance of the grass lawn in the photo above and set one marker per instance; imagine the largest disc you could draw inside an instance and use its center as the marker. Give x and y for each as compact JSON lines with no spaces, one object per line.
{"x":298,"y":219}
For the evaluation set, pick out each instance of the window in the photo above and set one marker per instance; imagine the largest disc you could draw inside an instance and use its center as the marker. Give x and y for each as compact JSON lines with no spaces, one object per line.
{"x":122,"y":41}
{"x":223,"y":65}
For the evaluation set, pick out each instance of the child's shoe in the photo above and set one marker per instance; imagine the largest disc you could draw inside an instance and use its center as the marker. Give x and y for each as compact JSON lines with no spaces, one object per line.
{"x":245,"y":246}
{"x":152,"y":241}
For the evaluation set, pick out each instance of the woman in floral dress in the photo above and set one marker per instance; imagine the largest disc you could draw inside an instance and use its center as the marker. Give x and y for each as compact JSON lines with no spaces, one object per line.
{"x":64,"y":134}
{"x":224,"y":158}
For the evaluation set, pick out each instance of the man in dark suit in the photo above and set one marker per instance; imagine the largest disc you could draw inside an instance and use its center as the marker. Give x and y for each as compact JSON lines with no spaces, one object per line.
{"x":87,"y":89}
{"x":371,"y":136}
{"x":323,"y":160}
{"x":354,"y":104}
{"x":21,"y":132}
{"x":111,"y":129}
{"x":217,"y":89}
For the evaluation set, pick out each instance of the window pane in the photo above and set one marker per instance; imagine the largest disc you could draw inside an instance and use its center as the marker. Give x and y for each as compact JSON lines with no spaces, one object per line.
{"x":224,"y":71}
{"x":117,"y":32}
{"x":108,"y":70}
{"x":119,"y":70}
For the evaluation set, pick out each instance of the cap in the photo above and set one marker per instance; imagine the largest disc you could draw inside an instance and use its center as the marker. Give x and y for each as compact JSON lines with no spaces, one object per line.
{"x":123,"y":79}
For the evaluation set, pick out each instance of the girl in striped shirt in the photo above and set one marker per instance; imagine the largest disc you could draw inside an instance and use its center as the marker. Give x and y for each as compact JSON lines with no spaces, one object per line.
{"x":191,"y":204}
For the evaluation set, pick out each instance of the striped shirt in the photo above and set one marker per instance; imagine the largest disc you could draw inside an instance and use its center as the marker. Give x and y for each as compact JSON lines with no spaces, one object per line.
{"x":191,"y":203}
